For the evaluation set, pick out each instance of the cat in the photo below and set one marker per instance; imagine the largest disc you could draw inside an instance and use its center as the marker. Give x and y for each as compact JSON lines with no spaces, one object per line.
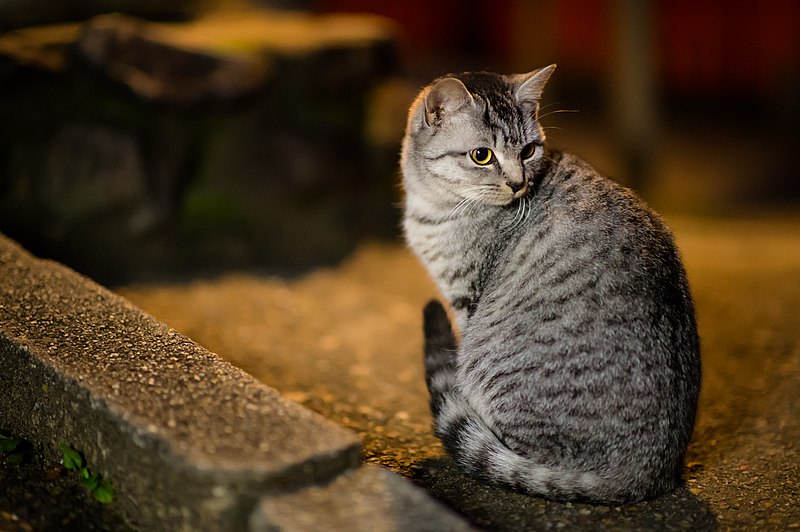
{"x":578,"y":370}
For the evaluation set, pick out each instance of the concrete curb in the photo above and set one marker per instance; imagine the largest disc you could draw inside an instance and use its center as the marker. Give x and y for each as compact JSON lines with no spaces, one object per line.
{"x":187,"y":440}
{"x":367,"y":499}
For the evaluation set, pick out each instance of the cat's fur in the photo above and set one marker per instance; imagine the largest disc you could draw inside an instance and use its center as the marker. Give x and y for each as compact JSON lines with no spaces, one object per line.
{"x":578,"y":369}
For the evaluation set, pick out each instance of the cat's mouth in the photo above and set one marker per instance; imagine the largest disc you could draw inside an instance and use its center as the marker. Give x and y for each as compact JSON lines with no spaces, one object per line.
{"x":507,"y":194}
{"x":518,"y":190}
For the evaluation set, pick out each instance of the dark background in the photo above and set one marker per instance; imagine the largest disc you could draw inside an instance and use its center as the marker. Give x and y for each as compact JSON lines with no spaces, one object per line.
{"x":694,"y":104}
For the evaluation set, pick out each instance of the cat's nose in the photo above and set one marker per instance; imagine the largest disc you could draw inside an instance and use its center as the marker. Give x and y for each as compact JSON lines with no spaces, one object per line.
{"x":516,"y":186}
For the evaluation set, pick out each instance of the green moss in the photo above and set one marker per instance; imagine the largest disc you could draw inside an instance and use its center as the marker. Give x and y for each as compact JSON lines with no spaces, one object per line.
{"x":12,"y":450}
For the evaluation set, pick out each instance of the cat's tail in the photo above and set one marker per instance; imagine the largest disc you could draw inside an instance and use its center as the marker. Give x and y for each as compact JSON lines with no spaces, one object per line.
{"x":476,"y":448}
{"x":440,"y":353}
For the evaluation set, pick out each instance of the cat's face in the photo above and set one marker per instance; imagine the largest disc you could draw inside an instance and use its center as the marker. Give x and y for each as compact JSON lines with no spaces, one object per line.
{"x":475,"y":137}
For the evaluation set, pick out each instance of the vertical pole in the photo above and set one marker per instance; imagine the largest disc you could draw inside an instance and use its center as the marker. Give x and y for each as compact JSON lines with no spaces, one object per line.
{"x":632,"y":90}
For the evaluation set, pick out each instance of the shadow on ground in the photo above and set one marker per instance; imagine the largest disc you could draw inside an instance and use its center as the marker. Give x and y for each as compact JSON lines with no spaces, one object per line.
{"x":495,"y":508}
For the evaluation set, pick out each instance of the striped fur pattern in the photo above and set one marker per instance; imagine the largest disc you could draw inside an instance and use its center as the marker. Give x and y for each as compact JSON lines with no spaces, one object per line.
{"x":578,"y":369}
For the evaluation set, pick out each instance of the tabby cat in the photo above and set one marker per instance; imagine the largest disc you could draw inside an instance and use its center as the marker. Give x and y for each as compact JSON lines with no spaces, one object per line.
{"x":578,"y":369}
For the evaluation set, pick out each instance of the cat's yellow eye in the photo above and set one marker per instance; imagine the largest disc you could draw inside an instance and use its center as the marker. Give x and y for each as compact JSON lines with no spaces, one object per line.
{"x":482,"y":156}
{"x":527,"y":151}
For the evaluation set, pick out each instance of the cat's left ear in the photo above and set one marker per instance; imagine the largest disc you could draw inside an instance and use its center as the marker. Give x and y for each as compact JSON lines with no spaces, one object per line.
{"x":446,"y":96}
{"x":531,"y":85}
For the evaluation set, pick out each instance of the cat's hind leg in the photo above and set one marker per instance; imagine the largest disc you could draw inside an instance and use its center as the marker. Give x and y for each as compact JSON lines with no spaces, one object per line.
{"x":474,"y":445}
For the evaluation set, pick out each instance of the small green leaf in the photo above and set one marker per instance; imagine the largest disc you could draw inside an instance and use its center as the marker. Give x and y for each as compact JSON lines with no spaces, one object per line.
{"x":90,"y":482}
{"x":101,"y":489}
{"x":72,"y":458}
{"x":104,"y":493}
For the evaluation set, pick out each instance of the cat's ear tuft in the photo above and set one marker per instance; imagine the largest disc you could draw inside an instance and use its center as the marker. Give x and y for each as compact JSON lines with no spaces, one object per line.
{"x":531,"y":85}
{"x":444,"y":98}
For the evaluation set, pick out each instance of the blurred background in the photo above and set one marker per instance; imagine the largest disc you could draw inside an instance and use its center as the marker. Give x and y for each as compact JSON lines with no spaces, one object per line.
{"x":142,"y":140}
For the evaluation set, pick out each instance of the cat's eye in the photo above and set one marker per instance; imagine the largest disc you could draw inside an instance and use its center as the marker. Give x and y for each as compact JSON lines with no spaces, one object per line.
{"x":482,"y":156}
{"x":527,"y":151}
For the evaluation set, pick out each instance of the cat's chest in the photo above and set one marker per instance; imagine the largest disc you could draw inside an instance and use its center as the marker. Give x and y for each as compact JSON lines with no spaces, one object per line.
{"x":448,"y":249}
{"x":456,"y":259}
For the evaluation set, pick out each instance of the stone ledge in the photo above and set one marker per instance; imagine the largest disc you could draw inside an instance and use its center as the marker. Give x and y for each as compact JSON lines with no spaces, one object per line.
{"x":187,"y":440}
{"x":370,"y":498}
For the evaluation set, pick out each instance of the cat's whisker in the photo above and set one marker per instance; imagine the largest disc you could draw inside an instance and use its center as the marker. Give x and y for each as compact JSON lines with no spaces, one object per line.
{"x":463,"y":210}
{"x":557,"y":111}
{"x":455,"y":211}
{"x":549,"y":105}
{"x":480,"y":193}
{"x":519,"y":215}
{"x":471,"y":200}
{"x":522,"y":213}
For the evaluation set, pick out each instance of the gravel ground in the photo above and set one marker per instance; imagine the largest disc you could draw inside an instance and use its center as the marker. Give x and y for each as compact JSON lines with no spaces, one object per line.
{"x":39,"y":494}
{"x":346,"y":342}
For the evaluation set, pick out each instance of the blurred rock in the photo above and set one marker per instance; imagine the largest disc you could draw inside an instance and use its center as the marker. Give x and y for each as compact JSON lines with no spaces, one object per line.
{"x":90,"y":169}
{"x":142,"y":56}
{"x":237,"y":139}
{"x":45,"y":47}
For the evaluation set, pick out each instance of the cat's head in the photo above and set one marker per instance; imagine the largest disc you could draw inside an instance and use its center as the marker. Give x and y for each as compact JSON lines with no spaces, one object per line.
{"x":475,"y":137}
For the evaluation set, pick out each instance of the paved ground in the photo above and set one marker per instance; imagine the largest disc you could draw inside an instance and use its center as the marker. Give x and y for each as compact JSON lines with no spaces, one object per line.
{"x":346,"y":342}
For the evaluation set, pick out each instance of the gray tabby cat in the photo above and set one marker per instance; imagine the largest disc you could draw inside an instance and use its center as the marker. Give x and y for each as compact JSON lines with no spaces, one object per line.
{"x":578,"y":370}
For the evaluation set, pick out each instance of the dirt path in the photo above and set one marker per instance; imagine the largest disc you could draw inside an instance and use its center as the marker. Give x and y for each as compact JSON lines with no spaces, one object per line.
{"x":346,"y":342}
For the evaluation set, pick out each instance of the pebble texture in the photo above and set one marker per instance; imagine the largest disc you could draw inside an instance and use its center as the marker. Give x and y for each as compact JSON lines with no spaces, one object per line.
{"x":368,"y":499}
{"x":186,"y":439}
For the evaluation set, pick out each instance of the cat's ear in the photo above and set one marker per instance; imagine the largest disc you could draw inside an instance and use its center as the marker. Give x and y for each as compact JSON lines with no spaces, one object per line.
{"x":531,"y":85}
{"x":445,"y":97}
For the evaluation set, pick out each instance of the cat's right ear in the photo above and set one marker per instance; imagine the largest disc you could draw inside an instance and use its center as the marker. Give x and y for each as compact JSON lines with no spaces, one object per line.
{"x":531,"y":85}
{"x":445,"y":97}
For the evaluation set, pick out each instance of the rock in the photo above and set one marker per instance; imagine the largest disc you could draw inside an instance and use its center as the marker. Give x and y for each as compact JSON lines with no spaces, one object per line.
{"x":150,"y":59}
{"x":148,"y":149}
{"x":370,"y":498}
{"x":231,"y":53}
{"x":186,"y":440}
{"x":44,"y":47}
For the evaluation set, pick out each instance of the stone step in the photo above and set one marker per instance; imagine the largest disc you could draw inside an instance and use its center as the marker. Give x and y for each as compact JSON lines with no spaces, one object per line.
{"x":186,"y":440}
{"x":370,"y":498}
